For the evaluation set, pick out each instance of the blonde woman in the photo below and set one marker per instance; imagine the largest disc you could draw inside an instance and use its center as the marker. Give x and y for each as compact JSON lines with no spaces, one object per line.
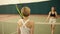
{"x":25,"y":25}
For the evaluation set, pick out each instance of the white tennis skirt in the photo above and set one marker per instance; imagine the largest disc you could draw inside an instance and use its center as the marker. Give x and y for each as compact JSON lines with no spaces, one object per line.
{"x":52,"y":20}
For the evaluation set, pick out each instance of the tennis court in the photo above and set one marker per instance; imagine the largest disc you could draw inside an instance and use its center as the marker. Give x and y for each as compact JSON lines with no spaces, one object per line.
{"x":8,"y":24}
{"x":10,"y":10}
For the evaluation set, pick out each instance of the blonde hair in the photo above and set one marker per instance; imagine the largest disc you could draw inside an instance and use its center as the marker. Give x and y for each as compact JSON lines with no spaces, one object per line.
{"x":25,"y":11}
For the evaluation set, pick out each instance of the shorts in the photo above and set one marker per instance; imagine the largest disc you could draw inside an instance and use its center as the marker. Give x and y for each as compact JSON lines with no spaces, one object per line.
{"x":52,"y":20}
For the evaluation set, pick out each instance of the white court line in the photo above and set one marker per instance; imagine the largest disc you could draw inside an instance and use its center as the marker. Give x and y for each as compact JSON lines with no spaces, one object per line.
{"x":46,"y":23}
{"x":40,"y":23}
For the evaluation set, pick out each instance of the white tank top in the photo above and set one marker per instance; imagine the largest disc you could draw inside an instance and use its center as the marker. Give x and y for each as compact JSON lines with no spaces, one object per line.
{"x":24,"y":29}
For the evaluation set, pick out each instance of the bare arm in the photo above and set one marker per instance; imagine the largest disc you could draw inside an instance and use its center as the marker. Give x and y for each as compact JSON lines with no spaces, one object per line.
{"x":32,"y":28}
{"x":18,"y":28}
{"x":56,"y":14}
{"x":48,"y":16}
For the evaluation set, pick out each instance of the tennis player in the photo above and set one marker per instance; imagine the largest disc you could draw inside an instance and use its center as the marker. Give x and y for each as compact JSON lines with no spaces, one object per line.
{"x":25,"y":25}
{"x":52,"y":18}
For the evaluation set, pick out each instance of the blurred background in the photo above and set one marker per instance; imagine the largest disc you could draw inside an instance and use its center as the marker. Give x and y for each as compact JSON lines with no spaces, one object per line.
{"x":39,"y":11}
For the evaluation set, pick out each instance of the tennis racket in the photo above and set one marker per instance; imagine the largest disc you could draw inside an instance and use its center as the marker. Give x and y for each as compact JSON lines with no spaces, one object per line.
{"x":20,"y":13}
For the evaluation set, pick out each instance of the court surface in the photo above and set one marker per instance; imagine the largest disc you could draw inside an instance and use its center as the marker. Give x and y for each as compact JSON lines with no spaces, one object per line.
{"x":8,"y":24}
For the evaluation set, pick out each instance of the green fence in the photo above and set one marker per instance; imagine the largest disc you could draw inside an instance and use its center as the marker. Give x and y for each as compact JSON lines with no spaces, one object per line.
{"x":36,"y":8}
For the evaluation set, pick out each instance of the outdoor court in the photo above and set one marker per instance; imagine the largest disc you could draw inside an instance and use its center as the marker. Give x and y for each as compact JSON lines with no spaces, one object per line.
{"x":8,"y":24}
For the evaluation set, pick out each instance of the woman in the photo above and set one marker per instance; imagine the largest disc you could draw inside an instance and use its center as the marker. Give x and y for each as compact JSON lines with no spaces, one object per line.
{"x":52,"y":18}
{"x":25,"y":25}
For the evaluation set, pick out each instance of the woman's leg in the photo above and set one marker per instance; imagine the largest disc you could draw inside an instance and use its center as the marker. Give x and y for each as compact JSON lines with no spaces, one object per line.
{"x":52,"y":28}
